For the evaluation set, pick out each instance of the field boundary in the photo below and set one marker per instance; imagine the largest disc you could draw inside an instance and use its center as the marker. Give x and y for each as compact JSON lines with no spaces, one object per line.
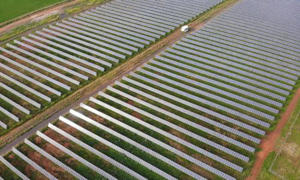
{"x":281,"y":147}
{"x":3,"y":24}
{"x":269,"y":142}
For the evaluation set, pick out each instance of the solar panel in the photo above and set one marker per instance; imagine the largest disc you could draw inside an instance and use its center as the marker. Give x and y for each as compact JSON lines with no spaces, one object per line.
{"x":33,"y":71}
{"x":210,"y":80}
{"x":209,"y":87}
{"x":150,"y":11}
{"x":102,"y":33}
{"x":245,"y":77}
{"x":163,"y":12}
{"x":57,"y":58}
{"x":246,"y":147}
{"x":215,"y":105}
{"x":170,"y":20}
{"x":16,"y":105}
{"x":2,"y":125}
{"x":253,"y":41}
{"x":15,"y":170}
{"x":178,"y":9}
{"x":246,"y":49}
{"x":139,"y":16}
{"x":115,"y":147}
{"x":61,"y":52}
{"x":194,"y":64}
{"x":170,"y":136}
{"x":93,"y":40}
{"x":122,"y":28}
{"x":182,"y":8}
{"x":257,"y":36}
{"x":44,"y":68}
{"x":34,"y":103}
{"x":39,"y":58}
{"x":267,"y":25}
{"x":191,"y":159}
{"x":54,"y":160}
{"x":29,"y":89}
{"x":91,"y":23}
{"x":156,"y":118}
{"x":72,"y":50}
{"x":240,"y":34}
{"x":187,"y":53}
{"x":249,"y":60}
{"x":33,"y":164}
{"x":125,"y":21}
{"x":282,"y":36}
{"x":141,"y":21}
{"x":217,"y":88}
{"x":8,"y":114}
{"x":75,"y":156}
{"x":93,"y":150}
{"x":227,"y":53}
{"x":86,"y":49}
{"x":255,"y":45}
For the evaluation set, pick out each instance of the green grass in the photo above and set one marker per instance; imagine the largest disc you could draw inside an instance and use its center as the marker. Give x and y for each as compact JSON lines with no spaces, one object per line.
{"x":21,"y":29}
{"x":11,"y":9}
{"x":287,"y":163}
{"x":7,"y":173}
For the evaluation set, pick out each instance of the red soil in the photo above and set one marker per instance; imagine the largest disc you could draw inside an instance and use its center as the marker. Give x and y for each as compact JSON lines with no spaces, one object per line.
{"x":267,"y":145}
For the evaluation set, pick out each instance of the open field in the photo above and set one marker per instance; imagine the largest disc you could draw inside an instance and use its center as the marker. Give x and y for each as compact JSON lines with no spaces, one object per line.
{"x":11,"y":9}
{"x":73,"y":65}
{"x":283,"y":161}
{"x":198,"y":110}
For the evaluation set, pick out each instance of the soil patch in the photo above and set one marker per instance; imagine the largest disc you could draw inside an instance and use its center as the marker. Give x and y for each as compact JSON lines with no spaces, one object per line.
{"x":268,"y":143}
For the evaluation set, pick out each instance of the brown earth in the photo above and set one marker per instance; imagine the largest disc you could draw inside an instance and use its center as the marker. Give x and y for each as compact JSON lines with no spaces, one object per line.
{"x":268,"y":143}
{"x":292,"y":150}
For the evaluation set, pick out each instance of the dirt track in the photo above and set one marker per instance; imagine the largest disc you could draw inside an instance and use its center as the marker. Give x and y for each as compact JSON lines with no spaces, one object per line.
{"x":36,"y":15}
{"x":269,"y":141}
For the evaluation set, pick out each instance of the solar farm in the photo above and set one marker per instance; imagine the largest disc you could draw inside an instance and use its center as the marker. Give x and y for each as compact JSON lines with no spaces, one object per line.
{"x":198,"y":110}
{"x":43,"y":67}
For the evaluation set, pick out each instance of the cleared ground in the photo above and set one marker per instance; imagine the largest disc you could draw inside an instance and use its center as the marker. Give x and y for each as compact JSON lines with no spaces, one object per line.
{"x":284,"y":161}
{"x":10,"y":9}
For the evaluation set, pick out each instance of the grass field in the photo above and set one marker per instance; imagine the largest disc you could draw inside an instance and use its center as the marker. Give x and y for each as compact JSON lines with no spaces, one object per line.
{"x":284,"y":162}
{"x":10,"y":9}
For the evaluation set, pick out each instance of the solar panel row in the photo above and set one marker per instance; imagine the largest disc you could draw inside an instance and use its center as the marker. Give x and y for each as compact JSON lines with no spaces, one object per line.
{"x":63,"y":55}
{"x":195,"y":108}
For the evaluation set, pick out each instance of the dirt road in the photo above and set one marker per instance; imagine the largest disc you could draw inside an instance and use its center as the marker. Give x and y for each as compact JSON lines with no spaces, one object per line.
{"x":269,"y":142}
{"x":38,"y":14}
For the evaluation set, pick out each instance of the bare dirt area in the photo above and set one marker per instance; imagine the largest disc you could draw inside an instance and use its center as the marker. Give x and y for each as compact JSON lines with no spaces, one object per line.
{"x":37,"y":16}
{"x":292,"y":149}
{"x":268,"y":143}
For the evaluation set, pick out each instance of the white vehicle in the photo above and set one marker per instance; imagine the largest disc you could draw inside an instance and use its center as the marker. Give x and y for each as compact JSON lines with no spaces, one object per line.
{"x":185,"y":28}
